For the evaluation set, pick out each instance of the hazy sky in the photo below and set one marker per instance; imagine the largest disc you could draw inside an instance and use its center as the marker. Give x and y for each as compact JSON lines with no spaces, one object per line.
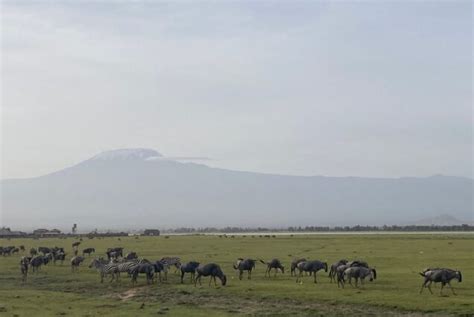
{"x":306,"y":88}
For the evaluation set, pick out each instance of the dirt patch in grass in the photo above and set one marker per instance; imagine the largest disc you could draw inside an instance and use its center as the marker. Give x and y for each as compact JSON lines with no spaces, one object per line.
{"x":257,"y":306}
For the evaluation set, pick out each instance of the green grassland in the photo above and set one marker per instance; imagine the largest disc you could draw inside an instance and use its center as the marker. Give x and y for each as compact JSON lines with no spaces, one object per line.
{"x":55,"y":291}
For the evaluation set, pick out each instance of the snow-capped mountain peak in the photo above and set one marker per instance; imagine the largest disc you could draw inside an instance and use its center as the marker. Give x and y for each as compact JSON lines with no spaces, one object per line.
{"x":127,"y":154}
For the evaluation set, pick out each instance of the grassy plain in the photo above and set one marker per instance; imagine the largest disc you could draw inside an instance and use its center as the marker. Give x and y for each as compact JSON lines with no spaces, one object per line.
{"x":55,"y":291}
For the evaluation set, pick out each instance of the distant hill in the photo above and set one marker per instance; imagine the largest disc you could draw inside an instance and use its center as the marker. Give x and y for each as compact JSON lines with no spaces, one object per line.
{"x":135,"y":188}
{"x":442,"y":220}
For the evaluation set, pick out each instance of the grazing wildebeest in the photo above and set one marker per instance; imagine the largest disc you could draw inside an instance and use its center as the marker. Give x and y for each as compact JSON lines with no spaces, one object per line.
{"x":22,"y":248}
{"x":273,"y":264}
{"x":189,"y":267}
{"x":359,"y":272}
{"x":88,"y":251}
{"x":358,"y":263}
{"x":131,"y":256}
{"x":104,"y":269}
{"x":443,"y":276}
{"x":147,"y":268}
{"x":245,"y":265}
{"x":294,"y":265}
{"x":44,"y":250}
{"x":24,"y":263}
{"x":75,"y":262}
{"x":333,"y":269}
{"x":76,"y":244}
{"x":311,"y":267}
{"x":213,"y":270}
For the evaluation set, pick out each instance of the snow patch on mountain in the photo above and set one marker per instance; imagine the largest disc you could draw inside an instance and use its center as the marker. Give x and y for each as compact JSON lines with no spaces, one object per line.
{"x":128,"y":154}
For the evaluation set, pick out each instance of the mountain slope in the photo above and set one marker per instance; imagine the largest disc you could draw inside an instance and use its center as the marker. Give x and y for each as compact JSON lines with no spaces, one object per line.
{"x":138,"y":187}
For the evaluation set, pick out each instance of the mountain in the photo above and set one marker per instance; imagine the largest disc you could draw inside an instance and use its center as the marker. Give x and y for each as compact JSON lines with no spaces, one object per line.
{"x":137,"y":188}
{"x":441,"y":220}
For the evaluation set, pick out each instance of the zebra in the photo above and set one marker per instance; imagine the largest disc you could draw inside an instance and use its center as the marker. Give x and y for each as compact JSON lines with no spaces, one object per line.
{"x":104,"y":269}
{"x":171,"y":261}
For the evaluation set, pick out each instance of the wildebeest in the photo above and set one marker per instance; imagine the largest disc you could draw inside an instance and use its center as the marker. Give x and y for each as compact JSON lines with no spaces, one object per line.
{"x":333,"y":269}
{"x":131,"y":256}
{"x":24,"y":263}
{"x":294,"y":265}
{"x":146,"y":268}
{"x":311,"y":267}
{"x":104,"y":269}
{"x":114,"y":253}
{"x":44,"y":250}
{"x":213,"y":270}
{"x":22,"y":248}
{"x":88,"y":251}
{"x":33,"y":252}
{"x":273,"y":264}
{"x":75,"y":262}
{"x":160,"y":267}
{"x":75,"y":244}
{"x":440,"y":275}
{"x":359,"y":273}
{"x":245,"y":265}
{"x":358,"y":263}
{"x":9,"y":250}
{"x":189,"y":267}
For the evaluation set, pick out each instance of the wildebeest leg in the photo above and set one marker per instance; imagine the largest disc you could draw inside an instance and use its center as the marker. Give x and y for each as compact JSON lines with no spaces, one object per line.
{"x":182,"y":276}
{"x":210,"y":280}
{"x":198,"y":278}
{"x":240,"y":274}
{"x":298,"y":277}
{"x":452,"y":289}
{"x":249,"y":275}
{"x":441,"y":290}
{"x":429,"y":287}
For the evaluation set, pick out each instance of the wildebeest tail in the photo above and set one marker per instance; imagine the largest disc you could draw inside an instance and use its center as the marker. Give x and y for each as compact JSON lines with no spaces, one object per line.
{"x":262,"y":261}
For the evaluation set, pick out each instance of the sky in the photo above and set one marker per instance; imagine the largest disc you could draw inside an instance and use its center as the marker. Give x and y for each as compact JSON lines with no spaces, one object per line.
{"x":375,"y":89}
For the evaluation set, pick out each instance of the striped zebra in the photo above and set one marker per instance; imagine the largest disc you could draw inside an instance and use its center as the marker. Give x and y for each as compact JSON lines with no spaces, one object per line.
{"x":170,"y":261}
{"x":105,"y":269}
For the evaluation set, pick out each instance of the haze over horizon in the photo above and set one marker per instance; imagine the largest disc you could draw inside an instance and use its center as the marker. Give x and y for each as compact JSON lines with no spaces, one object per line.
{"x":307,"y":88}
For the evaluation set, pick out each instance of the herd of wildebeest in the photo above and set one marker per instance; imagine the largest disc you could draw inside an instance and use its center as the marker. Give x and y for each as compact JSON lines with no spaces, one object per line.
{"x":116,"y":262}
